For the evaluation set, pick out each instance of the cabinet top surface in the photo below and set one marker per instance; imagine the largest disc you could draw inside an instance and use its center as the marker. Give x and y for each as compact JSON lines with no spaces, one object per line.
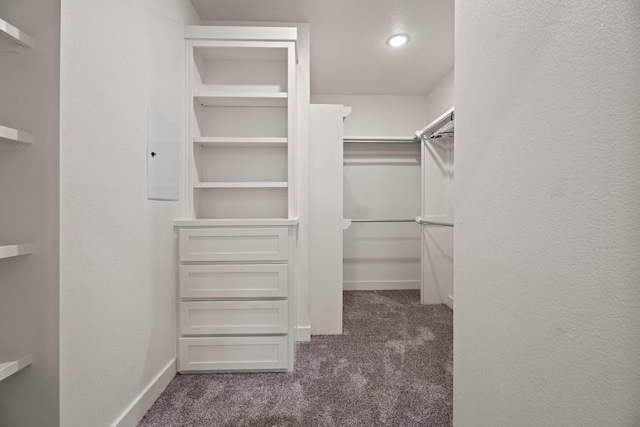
{"x":235,"y":222}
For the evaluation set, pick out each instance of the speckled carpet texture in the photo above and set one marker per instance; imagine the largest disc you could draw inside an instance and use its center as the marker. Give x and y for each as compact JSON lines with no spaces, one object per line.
{"x":392,"y":367}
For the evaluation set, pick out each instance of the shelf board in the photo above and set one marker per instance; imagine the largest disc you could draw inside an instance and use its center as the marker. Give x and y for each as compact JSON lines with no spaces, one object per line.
{"x":10,"y":251}
{"x":15,"y":35}
{"x":235,"y":222}
{"x":209,"y":98}
{"x":240,"y":142}
{"x":9,"y":368}
{"x":14,"y":135}
{"x":240,"y":185}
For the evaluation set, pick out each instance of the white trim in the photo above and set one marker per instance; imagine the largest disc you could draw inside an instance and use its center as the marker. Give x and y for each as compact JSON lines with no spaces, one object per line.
{"x":141,"y":404}
{"x":380,"y":285}
{"x":303,"y":333}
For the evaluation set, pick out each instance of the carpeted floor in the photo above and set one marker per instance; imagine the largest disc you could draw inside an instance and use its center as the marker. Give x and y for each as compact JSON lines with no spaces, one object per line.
{"x":392,"y":367}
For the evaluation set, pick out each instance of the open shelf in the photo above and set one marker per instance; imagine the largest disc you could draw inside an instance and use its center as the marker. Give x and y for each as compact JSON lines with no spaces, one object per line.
{"x":221,"y":141}
{"x":9,"y":368}
{"x":15,"y":35}
{"x":10,"y":251}
{"x":14,"y":135}
{"x":209,"y":98}
{"x":240,"y":185}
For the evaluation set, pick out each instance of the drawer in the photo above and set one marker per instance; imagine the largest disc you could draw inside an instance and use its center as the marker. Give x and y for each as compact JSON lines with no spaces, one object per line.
{"x":234,"y":244}
{"x":234,"y":281}
{"x":234,"y":317}
{"x":233,"y":353}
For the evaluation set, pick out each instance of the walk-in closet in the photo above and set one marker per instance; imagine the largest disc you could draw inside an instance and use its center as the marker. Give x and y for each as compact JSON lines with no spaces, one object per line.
{"x":319,"y":213}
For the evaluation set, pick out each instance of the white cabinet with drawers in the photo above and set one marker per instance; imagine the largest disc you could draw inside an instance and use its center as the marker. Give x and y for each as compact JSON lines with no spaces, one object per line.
{"x":236,"y":297}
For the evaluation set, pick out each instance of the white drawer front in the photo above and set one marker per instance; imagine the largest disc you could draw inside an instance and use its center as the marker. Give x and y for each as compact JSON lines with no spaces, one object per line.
{"x":234,"y":281}
{"x":233,"y":353}
{"x":233,"y":317}
{"x":234,"y":244}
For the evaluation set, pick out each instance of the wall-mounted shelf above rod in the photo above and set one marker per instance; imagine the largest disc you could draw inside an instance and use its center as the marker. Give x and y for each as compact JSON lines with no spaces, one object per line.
{"x":445,"y":118}
{"x":15,"y":35}
{"x":14,"y":135}
{"x":9,"y":368}
{"x":10,"y":251}
{"x":380,"y":140}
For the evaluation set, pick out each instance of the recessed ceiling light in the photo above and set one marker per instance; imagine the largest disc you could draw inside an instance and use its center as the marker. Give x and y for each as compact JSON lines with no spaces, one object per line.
{"x":398,"y":40}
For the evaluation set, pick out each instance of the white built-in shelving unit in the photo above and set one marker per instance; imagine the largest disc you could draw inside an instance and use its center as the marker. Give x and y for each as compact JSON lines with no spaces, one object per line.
{"x":12,"y":39}
{"x":237,"y":244}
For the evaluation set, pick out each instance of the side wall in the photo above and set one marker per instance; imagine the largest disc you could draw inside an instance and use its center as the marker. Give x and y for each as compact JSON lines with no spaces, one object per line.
{"x":440,"y":98}
{"x":29,"y":100}
{"x":381,"y":181}
{"x":547,"y":238}
{"x":118,"y":251}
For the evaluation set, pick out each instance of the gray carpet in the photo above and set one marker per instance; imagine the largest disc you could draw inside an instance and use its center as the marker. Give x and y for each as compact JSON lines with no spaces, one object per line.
{"x":392,"y":367}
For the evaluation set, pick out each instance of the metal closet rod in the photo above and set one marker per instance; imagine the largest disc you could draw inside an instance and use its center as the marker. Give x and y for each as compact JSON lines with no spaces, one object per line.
{"x":418,"y":221}
{"x":382,"y":142}
{"x":383,"y":220}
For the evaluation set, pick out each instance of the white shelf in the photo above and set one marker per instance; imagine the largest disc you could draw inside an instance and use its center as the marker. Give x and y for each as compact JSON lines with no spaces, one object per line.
{"x":382,"y":139}
{"x":240,"y":142}
{"x":232,"y":222}
{"x":8,"y":31}
{"x":14,"y":135}
{"x":240,"y":185}
{"x":209,"y":98}
{"x":9,"y":368}
{"x":15,"y":250}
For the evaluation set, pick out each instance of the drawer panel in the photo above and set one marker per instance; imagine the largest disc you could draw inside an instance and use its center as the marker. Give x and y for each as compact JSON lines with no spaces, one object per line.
{"x":234,"y":281}
{"x":234,"y":317}
{"x":233,"y":353}
{"x":234,"y":244}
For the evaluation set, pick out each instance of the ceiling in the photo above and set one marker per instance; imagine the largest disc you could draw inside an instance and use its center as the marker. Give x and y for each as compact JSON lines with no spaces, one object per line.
{"x":349,"y":54}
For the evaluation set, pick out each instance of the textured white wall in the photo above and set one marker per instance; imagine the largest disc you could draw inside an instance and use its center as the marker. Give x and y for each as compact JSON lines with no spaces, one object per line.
{"x":118,"y":278}
{"x":29,"y":100}
{"x":440,"y":98}
{"x":547,"y":238}
{"x":381,"y":182}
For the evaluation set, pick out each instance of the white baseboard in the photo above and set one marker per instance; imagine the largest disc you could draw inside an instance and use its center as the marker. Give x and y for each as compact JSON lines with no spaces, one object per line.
{"x":380,"y":285}
{"x":141,"y":404}
{"x":303,"y":333}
